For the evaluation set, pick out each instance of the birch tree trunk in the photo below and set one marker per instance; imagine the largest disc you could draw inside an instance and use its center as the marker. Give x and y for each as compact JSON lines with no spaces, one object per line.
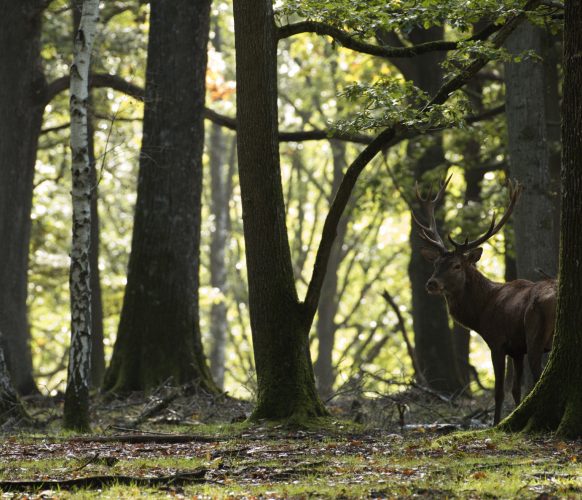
{"x":97,"y":347}
{"x":76,"y":411}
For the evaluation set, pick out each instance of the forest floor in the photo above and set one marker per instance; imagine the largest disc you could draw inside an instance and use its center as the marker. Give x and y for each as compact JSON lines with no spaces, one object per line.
{"x":413,"y":445}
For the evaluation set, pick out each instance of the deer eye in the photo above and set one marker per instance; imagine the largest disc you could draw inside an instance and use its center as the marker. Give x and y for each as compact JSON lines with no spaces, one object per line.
{"x":456,"y":266}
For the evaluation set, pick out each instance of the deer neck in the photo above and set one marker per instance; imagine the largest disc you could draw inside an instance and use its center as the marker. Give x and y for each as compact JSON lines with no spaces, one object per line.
{"x":467,"y":304}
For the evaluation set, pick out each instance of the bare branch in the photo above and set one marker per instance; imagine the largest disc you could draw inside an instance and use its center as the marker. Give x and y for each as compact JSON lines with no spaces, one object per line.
{"x":402,"y":327}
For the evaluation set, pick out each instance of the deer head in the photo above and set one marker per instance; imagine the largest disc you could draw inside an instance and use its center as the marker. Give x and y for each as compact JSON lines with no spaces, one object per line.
{"x":451,"y":265}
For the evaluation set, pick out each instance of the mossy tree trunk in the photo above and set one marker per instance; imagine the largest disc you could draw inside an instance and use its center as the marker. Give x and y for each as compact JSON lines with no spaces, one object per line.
{"x":279,"y":322}
{"x":555,"y":404}
{"x":159,"y":332}
{"x":10,"y":405}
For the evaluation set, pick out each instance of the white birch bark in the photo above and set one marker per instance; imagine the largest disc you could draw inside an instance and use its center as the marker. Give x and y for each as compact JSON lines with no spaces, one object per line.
{"x":76,"y":412}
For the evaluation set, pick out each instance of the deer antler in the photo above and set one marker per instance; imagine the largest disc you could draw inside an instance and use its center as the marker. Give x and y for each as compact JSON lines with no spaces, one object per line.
{"x":515,"y":190}
{"x":429,"y":233}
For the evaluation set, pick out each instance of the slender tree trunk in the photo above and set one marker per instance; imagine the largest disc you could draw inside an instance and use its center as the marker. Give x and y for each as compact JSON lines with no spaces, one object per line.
{"x":280,"y":325}
{"x":97,"y":347}
{"x":529,"y":150}
{"x":97,"y":350}
{"x":329,"y":301}
{"x":22,"y":88}
{"x":159,"y":331}
{"x":76,"y":410}
{"x":220,"y":212}
{"x":556,"y":401}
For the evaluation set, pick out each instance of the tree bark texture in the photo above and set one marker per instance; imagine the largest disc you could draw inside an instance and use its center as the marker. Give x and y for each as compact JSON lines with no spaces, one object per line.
{"x":432,"y":333}
{"x":97,"y":348}
{"x":22,"y":88}
{"x":556,"y":401}
{"x":280,"y":326}
{"x":76,"y":407}
{"x":529,"y":150}
{"x":329,"y":300}
{"x":220,"y":213}
{"x":159,"y":332}
{"x":10,"y":405}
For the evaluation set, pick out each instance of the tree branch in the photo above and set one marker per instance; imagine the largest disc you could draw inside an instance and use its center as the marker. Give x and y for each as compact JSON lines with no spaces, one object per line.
{"x":347,"y":40}
{"x":402,"y":327}
{"x":96,"y":80}
{"x":299,"y":136}
{"x":383,"y":141}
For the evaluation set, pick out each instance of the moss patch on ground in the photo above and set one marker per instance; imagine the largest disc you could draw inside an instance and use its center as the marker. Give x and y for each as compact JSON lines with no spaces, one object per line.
{"x":276,"y":461}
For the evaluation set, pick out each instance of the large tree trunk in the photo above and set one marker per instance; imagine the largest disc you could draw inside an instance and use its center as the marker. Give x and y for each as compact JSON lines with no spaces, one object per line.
{"x":432,"y":333}
{"x":220,"y":212}
{"x":280,"y":325}
{"x":159,"y":334}
{"x":329,"y":301}
{"x":556,"y":401}
{"x":76,"y":407}
{"x":531,"y":102}
{"x":11,"y":407}
{"x":22,"y":89}
{"x":529,"y":151}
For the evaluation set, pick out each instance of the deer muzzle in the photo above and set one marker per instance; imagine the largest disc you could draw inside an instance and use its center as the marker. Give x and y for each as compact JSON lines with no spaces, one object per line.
{"x":434,"y":286}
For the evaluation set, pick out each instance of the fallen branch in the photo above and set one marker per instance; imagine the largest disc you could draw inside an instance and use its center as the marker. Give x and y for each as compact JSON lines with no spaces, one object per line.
{"x":97,"y":482}
{"x":146,"y":438}
{"x":155,"y":406}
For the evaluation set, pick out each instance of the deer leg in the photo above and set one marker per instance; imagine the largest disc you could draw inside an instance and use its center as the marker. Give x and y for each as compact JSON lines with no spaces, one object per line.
{"x":498,"y":359}
{"x":534,"y":340}
{"x":517,"y":376}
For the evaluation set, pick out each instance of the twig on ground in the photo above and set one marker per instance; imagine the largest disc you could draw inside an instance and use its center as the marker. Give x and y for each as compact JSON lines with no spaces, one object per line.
{"x":147,"y":438}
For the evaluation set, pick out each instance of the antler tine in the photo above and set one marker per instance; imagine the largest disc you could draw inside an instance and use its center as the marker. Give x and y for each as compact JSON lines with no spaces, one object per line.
{"x":441,"y":192}
{"x":430,"y":233}
{"x":515,"y":189}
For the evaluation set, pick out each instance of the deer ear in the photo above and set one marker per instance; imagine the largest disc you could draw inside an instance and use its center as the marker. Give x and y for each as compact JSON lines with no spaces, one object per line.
{"x":474,"y":255}
{"x":430,"y":254}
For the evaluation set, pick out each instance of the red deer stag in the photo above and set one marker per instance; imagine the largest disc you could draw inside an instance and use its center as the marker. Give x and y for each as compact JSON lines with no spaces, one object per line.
{"x":513,"y":318}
